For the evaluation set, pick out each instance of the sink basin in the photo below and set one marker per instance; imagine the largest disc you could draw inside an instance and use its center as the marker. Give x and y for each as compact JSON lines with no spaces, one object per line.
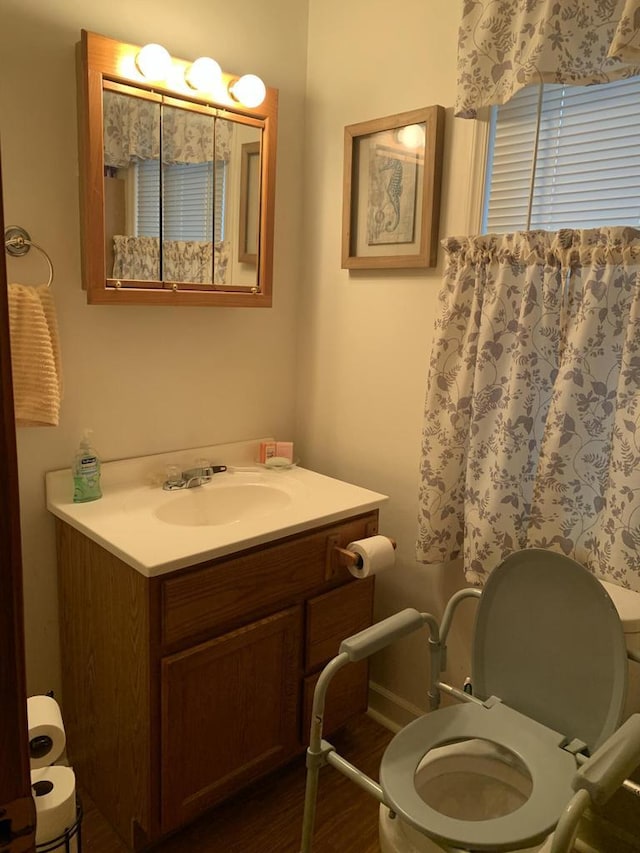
{"x":156,"y":531}
{"x":224,"y":504}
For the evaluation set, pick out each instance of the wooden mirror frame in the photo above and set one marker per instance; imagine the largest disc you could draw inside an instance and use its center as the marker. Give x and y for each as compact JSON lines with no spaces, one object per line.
{"x":103,"y":59}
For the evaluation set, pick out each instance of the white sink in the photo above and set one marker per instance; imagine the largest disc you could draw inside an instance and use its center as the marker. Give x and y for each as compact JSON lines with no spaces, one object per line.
{"x":227,"y":504}
{"x":157,"y":531}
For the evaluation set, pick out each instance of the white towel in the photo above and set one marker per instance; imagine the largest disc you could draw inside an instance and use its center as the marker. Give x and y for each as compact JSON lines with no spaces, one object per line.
{"x":35,"y":356}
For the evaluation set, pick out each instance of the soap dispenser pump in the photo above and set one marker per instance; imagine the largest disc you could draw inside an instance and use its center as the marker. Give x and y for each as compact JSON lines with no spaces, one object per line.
{"x":86,"y":471}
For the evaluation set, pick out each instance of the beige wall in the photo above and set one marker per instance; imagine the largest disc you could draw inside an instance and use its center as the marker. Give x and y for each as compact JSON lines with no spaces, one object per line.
{"x":364,"y":337}
{"x":145,"y":379}
{"x":339,"y":363}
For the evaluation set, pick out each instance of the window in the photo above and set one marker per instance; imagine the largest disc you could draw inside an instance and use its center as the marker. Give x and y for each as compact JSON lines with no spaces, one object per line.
{"x":586,"y":170}
{"x":188,"y":192}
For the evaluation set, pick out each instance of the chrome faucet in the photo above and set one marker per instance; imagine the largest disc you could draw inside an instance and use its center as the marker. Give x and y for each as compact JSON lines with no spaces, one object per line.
{"x":192,"y":477}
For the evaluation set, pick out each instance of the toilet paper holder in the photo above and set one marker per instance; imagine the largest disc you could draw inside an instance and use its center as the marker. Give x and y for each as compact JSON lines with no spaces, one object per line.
{"x":63,"y":841}
{"x":348,"y":559}
{"x":338,"y":558}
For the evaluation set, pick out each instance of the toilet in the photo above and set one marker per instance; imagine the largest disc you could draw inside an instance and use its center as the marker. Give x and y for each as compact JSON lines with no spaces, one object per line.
{"x":627,"y":604}
{"x":472,"y":779}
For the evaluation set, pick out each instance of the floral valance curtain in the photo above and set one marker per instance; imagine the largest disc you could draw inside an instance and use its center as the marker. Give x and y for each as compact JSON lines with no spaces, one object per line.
{"x":504,"y":45}
{"x":532,"y":424}
{"x":132,"y":128}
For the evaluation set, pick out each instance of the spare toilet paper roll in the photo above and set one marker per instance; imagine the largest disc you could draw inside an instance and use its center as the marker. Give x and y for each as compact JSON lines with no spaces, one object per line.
{"x":54,"y":793}
{"x":376,"y":554}
{"x":46,"y":731}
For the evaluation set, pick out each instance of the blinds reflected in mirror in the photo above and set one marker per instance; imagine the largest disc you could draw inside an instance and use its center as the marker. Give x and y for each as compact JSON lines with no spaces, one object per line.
{"x":193,"y":200}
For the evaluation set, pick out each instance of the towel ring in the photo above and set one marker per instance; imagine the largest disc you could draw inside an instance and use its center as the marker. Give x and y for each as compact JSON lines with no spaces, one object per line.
{"x":17,"y":242}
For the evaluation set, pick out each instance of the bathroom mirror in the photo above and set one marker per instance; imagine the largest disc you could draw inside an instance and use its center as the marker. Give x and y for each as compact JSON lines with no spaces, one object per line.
{"x":178,"y":187}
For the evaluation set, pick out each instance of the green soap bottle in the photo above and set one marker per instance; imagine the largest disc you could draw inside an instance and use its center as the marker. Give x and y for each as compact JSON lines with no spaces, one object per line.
{"x":86,"y":472}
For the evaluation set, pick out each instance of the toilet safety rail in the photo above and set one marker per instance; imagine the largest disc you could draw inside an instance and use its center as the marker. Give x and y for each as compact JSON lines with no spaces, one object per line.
{"x":596,"y":780}
{"x":599,"y":777}
{"x":356,"y":648}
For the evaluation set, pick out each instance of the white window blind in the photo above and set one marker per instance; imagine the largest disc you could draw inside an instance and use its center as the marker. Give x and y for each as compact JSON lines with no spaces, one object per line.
{"x":147,"y":184}
{"x":193,"y":198}
{"x":587,"y":167}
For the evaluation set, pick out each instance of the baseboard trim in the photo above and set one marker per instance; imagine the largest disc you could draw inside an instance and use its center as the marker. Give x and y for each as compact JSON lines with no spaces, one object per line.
{"x":390,"y":710}
{"x":599,"y":835}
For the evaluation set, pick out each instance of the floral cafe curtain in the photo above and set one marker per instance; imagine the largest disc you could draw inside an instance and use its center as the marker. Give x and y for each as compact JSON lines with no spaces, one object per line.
{"x":532,"y":426}
{"x":136,"y":258}
{"x":504,"y":45}
{"x":192,"y":261}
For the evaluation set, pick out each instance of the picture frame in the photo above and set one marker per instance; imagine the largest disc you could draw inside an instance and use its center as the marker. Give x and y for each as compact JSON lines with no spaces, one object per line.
{"x":391,"y":190}
{"x":249,"y":214}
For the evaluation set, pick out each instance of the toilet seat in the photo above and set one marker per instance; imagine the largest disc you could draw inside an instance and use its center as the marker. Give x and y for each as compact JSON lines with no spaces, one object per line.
{"x":539,"y":748}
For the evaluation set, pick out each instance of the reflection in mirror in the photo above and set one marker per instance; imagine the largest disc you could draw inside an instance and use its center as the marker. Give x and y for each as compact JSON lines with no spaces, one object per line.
{"x":131,"y":186}
{"x":244,"y":269}
{"x":203,"y":207}
{"x":174,"y":209}
{"x":191,"y":228}
{"x":249,"y":203}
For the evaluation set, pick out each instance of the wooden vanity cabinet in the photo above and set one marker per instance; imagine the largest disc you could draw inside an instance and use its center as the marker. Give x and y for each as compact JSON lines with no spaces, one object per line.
{"x":181,"y":689}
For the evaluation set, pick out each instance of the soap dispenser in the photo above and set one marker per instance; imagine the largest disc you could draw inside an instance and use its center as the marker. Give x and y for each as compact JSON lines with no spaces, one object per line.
{"x":86,"y":471}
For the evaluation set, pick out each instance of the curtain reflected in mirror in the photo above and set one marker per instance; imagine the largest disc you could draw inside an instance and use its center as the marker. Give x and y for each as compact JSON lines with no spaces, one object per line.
{"x":190,"y":228}
{"x":176,"y":178}
{"x":131,"y":187}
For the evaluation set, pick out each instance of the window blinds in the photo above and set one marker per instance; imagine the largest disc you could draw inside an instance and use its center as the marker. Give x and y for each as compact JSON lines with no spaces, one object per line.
{"x":587,"y":166}
{"x":188,"y":194}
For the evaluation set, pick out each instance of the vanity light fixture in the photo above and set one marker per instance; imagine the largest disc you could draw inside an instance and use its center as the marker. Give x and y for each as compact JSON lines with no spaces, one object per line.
{"x":248,"y":90}
{"x":204,"y":74}
{"x":153,"y":61}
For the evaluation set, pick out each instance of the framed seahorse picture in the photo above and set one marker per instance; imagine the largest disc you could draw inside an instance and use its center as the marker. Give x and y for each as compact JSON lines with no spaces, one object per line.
{"x":391,"y":192}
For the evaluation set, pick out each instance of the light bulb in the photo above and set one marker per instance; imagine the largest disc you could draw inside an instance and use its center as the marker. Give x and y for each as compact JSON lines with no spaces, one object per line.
{"x":411,"y":136}
{"x":248,"y":90}
{"x":153,"y":61}
{"x":203,"y":74}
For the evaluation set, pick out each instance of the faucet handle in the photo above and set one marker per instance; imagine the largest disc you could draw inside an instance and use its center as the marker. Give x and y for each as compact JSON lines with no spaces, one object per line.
{"x":173,"y":478}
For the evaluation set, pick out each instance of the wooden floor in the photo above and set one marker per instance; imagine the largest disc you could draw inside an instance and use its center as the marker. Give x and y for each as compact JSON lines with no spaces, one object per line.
{"x":267,"y":818}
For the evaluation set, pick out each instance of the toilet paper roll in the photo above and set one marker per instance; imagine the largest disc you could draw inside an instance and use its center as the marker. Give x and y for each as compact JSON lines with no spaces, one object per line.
{"x":376,"y":554}
{"x":54,"y":793}
{"x":46,"y":731}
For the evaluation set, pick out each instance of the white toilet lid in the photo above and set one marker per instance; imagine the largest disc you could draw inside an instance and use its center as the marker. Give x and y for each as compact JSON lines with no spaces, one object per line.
{"x":550,"y":767}
{"x":549,"y":642}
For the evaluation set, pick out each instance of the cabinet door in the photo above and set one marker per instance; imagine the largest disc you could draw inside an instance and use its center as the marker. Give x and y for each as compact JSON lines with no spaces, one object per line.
{"x":229,"y":713}
{"x":330,"y":619}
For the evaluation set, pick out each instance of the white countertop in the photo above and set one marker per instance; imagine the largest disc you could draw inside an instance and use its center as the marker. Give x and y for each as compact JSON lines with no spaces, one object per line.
{"x":126,"y":521}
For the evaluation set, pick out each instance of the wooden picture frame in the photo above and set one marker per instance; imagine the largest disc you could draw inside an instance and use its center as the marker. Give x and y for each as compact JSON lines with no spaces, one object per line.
{"x":391,"y":190}
{"x":249,"y":203}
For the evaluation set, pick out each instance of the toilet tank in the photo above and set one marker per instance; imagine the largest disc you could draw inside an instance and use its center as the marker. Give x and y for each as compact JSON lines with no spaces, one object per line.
{"x":627,"y":604}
